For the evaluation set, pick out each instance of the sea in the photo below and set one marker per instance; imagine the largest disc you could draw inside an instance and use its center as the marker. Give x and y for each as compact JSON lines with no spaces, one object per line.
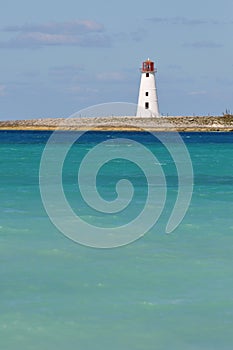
{"x":161,"y":291}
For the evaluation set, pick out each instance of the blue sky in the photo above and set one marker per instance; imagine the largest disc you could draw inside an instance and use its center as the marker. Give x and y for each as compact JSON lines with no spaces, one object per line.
{"x":60,"y":57}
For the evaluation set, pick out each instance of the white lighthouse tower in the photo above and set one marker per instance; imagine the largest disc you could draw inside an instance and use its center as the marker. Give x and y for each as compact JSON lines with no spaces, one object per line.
{"x":147,"y":99}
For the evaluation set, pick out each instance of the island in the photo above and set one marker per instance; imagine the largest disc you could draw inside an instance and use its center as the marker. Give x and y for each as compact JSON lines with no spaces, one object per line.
{"x":222,"y":123}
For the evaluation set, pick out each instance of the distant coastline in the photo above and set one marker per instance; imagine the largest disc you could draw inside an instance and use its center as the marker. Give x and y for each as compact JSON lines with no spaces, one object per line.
{"x":120,"y":123}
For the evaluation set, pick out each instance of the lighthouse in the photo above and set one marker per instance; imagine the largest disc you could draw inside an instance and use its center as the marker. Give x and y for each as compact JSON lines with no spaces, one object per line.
{"x":148,"y":99}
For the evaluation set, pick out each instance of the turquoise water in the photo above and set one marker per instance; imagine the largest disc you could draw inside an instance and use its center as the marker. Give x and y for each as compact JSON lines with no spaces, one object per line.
{"x":164,"y":291}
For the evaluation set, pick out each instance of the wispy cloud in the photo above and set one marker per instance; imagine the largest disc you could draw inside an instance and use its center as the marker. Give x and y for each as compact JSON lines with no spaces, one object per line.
{"x":197,"y":93}
{"x":204,"y":44}
{"x":81,"y":90}
{"x":174,"y":67}
{"x":74,"y":33}
{"x":110,"y":76}
{"x":182,"y":21}
{"x":71,"y":27}
{"x":69,"y":70}
{"x":2,"y":90}
{"x":31,"y":73}
{"x":139,"y":34}
{"x":77,"y":73}
{"x":68,"y":73}
{"x":225,"y":81}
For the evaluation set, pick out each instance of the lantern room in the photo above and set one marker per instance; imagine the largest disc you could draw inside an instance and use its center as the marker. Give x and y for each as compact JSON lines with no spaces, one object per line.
{"x":148,"y":66}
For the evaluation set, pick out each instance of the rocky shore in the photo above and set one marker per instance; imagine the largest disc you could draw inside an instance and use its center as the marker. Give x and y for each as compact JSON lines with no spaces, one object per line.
{"x":177,"y":123}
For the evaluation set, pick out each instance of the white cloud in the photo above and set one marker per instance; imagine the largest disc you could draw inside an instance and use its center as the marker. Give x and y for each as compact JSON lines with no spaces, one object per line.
{"x":71,"y":27}
{"x":74,"y":33}
{"x":49,"y":39}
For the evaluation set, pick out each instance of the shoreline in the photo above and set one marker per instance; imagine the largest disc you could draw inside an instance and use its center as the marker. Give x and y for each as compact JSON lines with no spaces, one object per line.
{"x":125,"y":123}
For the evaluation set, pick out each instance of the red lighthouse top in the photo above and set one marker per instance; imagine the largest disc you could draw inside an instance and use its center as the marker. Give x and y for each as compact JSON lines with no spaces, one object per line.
{"x":148,"y":66}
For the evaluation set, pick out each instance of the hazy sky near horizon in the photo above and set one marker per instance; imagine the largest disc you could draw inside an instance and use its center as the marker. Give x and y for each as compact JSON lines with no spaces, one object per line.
{"x":58,"y":57}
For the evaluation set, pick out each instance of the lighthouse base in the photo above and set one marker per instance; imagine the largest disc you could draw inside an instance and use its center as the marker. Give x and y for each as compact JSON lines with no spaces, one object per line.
{"x":146,"y":113}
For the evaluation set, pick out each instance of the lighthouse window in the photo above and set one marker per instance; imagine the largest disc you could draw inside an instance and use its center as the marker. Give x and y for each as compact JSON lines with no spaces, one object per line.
{"x":147,"y":93}
{"x":147,"y":75}
{"x":147,"y":105}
